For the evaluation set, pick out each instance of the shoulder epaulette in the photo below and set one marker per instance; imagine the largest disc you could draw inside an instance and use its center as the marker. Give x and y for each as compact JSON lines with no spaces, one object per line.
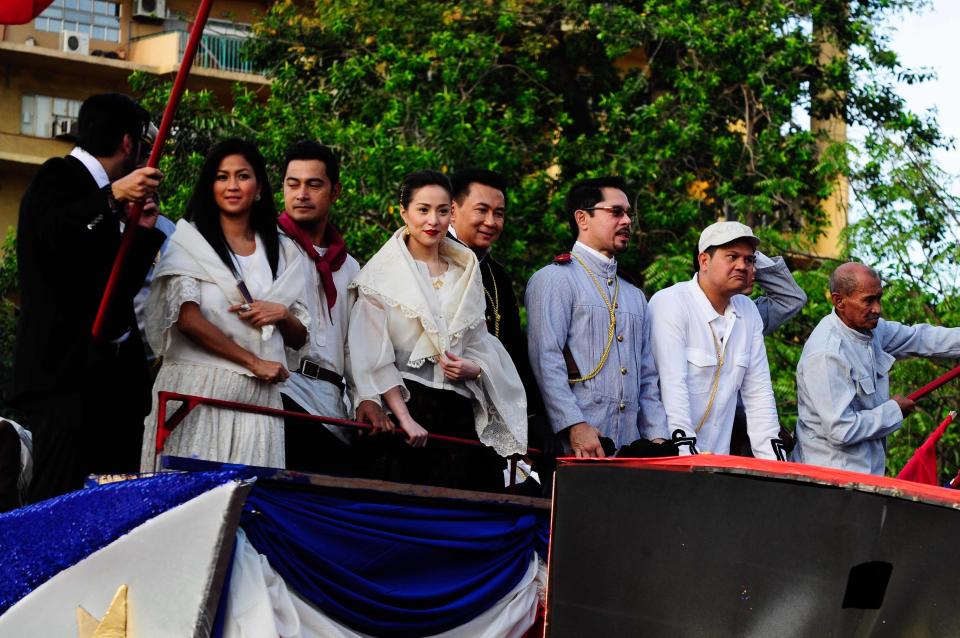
{"x":563,"y":258}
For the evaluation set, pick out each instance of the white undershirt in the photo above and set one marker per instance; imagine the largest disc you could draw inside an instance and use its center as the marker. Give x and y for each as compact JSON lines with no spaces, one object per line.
{"x":596,"y":253}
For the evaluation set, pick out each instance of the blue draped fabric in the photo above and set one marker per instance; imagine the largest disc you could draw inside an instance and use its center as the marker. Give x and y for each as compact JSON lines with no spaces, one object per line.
{"x":388,"y":569}
{"x":39,"y":541}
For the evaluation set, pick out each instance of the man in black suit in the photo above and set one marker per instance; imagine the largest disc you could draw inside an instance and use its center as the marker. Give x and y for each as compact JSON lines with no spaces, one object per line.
{"x":479,"y":212}
{"x":84,"y":401}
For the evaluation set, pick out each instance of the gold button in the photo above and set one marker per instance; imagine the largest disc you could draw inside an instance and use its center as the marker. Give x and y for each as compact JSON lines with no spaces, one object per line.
{"x":620,"y":338}
{"x":622,"y":406}
{"x":623,"y":370}
{"x":609,"y":282}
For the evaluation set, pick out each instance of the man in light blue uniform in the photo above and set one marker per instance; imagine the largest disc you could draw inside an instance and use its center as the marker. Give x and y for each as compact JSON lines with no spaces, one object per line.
{"x":843,"y":378}
{"x":588,"y":331}
{"x":782,"y":297}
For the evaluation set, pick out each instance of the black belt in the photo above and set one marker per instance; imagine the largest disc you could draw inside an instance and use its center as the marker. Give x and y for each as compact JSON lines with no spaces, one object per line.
{"x":313,"y":370}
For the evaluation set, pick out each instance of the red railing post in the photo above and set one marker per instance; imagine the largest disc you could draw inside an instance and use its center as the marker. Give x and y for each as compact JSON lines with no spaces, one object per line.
{"x":133,"y":218}
{"x":933,"y":385}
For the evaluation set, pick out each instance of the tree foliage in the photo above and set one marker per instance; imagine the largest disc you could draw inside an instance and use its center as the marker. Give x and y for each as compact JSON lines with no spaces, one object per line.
{"x":702,"y":105}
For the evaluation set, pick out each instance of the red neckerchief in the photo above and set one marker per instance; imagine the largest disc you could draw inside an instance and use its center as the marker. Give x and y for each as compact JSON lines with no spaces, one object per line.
{"x":326,"y":264}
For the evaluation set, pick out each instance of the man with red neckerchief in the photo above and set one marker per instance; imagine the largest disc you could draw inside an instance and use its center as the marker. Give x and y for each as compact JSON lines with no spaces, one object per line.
{"x":320,"y":373}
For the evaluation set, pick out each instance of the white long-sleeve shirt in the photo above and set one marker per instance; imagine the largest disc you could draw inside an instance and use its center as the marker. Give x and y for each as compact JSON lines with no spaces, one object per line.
{"x":686,"y":358}
{"x":843,"y":389}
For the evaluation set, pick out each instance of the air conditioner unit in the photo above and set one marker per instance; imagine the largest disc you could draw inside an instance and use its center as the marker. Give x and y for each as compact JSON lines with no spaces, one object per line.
{"x":150,"y":9}
{"x":75,"y":42}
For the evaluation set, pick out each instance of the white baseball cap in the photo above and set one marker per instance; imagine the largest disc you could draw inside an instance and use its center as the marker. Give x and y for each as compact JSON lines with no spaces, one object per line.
{"x":722,"y":233}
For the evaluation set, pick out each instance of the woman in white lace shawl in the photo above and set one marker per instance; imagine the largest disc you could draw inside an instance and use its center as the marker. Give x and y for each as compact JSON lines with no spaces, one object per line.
{"x":225,"y":299}
{"x":418,"y":339}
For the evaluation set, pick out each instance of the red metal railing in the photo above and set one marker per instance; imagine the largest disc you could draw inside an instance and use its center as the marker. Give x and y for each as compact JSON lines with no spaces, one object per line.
{"x":189,"y":401}
{"x":933,"y":385}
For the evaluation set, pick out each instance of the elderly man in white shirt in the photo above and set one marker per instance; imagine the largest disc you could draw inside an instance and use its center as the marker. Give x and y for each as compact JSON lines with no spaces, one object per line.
{"x":708,"y":347}
{"x":843,"y":377}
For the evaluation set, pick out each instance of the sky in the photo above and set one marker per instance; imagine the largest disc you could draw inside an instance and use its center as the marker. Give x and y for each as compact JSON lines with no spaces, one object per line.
{"x":929,"y":40}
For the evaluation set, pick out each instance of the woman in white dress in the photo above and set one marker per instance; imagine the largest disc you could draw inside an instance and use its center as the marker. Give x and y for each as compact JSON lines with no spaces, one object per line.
{"x":225,"y":299}
{"x":418,"y":340}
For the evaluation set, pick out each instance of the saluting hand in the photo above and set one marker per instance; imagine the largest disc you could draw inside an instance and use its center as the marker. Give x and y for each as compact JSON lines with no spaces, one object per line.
{"x":458,"y":368}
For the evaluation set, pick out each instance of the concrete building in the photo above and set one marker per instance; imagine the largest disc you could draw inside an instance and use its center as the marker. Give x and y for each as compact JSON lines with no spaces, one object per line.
{"x":77,"y":48}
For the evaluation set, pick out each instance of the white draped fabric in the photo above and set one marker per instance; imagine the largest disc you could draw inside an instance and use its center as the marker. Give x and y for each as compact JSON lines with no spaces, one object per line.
{"x":260,"y":604}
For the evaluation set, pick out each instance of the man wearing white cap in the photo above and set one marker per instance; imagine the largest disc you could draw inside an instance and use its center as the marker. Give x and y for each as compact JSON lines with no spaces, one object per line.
{"x":708,"y":346}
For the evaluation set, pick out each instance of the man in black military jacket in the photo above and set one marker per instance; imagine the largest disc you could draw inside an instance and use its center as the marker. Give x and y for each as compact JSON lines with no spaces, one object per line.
{"x":479,"y":207}
{"x":84,"y":401}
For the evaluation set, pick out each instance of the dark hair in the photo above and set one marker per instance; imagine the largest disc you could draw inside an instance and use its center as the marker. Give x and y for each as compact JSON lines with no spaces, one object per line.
{"x":105,"y":118}
{"x":587,"y":193}
{"x":461,"y":181}
{"x":419,"y":179}
{"x":310,"y":150}
{"x":203,"y":212}
{"x":696,"y":257}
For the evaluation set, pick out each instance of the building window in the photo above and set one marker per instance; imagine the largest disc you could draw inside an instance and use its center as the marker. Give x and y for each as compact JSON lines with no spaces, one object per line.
{"x":100,"y":19}
{"x":46,"y":116}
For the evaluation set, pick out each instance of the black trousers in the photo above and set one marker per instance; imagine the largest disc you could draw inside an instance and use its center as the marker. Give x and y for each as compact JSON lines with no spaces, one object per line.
{"x":439,"y":463}
{"x":310,"y":447}
{"x":96,"y":430}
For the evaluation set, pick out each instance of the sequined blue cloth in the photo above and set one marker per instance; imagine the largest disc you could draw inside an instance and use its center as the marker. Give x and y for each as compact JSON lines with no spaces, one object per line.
{"x":39,"y":541}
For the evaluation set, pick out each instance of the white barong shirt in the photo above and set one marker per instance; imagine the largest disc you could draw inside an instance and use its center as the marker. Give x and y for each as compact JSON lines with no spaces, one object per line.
{"x":686,"y":360}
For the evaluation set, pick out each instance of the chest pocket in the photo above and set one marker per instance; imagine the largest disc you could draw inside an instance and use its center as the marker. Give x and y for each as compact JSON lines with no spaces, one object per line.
{"x":867,"y":384}
{"x":701,"y":366}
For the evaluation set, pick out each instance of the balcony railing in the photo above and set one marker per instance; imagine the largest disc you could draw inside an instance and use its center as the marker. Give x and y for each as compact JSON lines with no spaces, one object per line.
{"x":219,"y":52}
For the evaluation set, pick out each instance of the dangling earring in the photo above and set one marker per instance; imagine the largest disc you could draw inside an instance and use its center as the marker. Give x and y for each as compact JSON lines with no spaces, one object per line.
{"x":257,"y":198}
{"x":406,"y":231}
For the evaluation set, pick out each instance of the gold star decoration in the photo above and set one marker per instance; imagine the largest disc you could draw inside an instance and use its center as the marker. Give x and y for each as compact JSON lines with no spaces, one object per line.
{"x":112,"y":625}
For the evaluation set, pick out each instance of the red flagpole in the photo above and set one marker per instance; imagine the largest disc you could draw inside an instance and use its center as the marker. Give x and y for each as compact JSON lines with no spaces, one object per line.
{"x":933,"y":385}
{"x":179,"y":85}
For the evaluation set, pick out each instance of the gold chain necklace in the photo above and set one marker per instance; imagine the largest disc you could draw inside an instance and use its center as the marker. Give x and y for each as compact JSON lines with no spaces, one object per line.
{"x":494,"y":302}
{"x":611,"y":308}
{"x":716,"y":380}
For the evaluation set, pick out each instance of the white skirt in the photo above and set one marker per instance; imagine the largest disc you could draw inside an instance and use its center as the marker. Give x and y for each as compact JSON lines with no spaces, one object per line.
{"x":212,"y":433}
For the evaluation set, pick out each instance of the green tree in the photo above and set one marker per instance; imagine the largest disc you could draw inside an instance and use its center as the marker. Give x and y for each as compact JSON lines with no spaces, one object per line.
{"x":8,"y":316}
{"x":700,"y":105}
{"x":909,"y":232}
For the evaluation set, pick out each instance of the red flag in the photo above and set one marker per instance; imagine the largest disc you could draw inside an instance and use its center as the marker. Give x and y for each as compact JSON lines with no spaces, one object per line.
{"x":21,"y":11}
{"x":922,"y":466}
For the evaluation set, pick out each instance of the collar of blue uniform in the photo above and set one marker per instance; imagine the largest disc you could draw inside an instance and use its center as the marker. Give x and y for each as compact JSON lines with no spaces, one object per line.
{"x":602,"y":267}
